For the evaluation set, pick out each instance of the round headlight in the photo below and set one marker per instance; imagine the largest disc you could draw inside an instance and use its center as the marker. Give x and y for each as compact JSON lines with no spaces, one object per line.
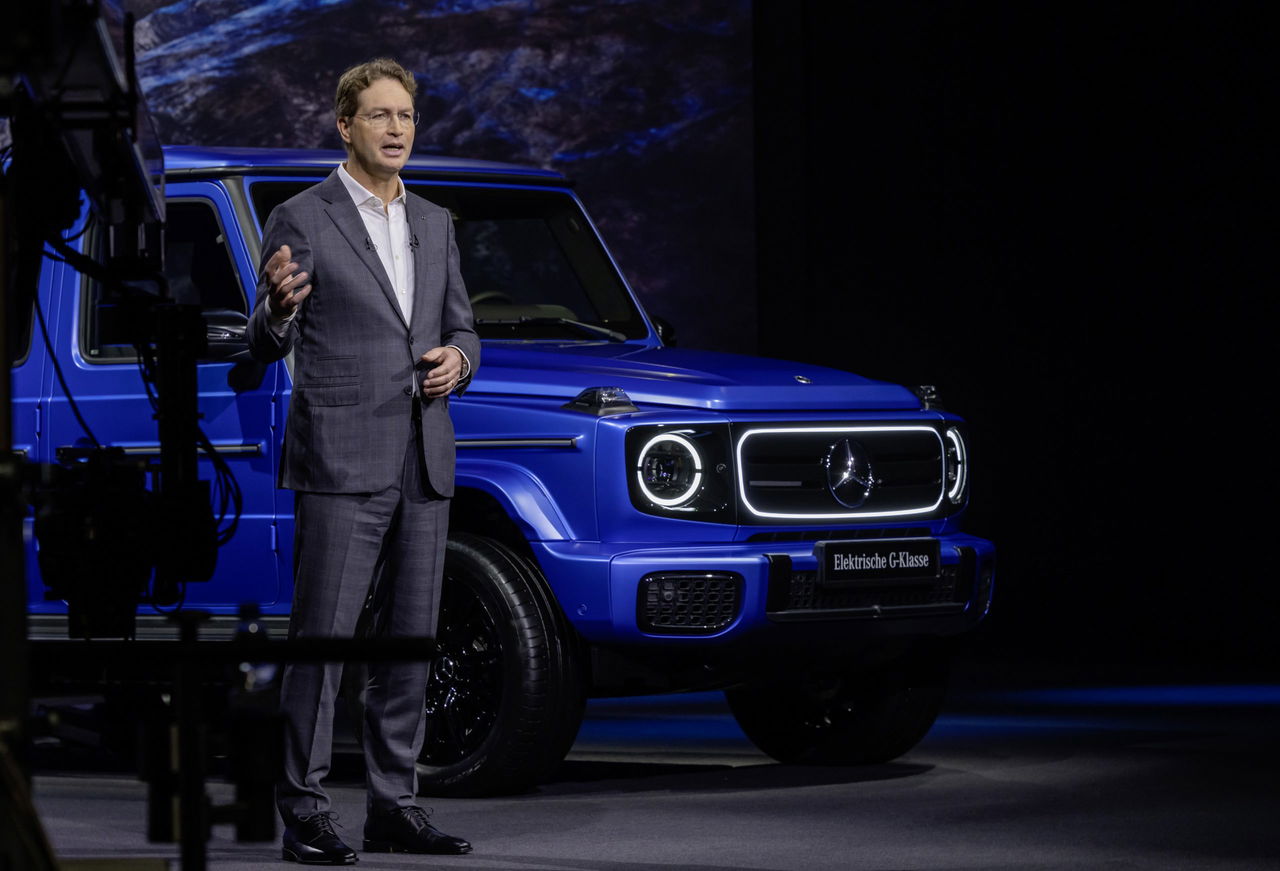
{"x":957,"y":466}
{"x":669,"y":470}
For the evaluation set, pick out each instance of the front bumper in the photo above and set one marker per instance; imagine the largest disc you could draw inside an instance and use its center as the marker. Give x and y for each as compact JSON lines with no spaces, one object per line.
{"x":599,"y":585}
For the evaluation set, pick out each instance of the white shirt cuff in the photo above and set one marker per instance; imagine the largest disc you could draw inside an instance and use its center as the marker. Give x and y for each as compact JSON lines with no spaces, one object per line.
{"x":279,"y":325}
{"x":466,"y":363}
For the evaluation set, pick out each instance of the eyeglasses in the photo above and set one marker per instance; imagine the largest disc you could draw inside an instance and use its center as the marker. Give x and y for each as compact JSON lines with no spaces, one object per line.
{"x":380,"y":119}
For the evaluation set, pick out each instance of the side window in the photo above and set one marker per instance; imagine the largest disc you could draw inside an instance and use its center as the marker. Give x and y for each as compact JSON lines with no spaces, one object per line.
{"x":519,"y":261}
{"x":200,"y":270}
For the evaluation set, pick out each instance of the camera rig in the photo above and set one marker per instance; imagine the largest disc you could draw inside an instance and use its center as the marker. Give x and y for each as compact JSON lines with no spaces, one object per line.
{"x":81,"y":140}
{"x":79,"y":127}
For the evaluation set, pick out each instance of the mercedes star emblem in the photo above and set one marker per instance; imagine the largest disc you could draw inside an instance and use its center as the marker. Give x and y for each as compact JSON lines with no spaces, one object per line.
{"x":849,"y":475}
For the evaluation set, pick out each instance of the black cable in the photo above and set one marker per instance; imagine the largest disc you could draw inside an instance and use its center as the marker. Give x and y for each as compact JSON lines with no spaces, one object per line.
{"x":230,"y":498}
{"x":226,"y":489}
{"x":87,"y":224}
{"x":82,"y":263}
{"x":85,"y":265}
{"x":177,"y":606}
{"x":57,"y":368}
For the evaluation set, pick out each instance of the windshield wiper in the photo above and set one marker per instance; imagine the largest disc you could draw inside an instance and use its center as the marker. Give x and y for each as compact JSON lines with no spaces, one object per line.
{"x":593,"y":330}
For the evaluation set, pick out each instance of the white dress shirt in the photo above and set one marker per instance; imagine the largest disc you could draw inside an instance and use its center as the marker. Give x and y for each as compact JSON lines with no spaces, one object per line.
{"x":388,"y":229}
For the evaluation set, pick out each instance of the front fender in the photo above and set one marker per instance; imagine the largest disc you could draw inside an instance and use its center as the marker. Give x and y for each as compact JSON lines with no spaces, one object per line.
{"x":524,"y":497}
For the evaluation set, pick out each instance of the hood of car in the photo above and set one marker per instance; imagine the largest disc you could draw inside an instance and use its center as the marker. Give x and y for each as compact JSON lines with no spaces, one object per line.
{"x":679,"y":377}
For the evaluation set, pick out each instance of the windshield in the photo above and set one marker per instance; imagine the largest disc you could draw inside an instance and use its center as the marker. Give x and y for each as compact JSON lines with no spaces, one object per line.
{"x":532,"y":264}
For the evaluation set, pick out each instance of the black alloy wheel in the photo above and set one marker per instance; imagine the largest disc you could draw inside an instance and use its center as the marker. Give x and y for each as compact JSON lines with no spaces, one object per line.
{"x":464,"y":693}
{"x":856,"y":717}
{"x":506,"y":693}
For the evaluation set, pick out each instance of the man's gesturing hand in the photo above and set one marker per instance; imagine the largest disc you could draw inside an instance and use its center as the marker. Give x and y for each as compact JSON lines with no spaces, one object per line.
{"x":287,"y":288}
{"x":444,"y":367}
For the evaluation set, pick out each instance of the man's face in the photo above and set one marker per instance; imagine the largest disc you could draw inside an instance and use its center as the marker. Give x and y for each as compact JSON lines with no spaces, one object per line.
{"x":380,"y":150}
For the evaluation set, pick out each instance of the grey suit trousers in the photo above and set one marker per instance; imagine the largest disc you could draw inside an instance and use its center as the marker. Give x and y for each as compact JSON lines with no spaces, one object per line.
{"x":340,"y":542}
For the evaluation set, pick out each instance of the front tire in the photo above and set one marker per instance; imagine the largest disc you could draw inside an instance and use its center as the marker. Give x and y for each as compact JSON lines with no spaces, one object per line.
{"x":506,"y":693}
{"x":848,"y":718}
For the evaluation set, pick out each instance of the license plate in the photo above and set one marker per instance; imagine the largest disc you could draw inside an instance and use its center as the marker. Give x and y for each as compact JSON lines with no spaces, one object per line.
{"x":848,"y":563}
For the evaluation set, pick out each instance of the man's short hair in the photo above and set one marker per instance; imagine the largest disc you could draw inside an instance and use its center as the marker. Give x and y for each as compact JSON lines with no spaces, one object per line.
{"x":361,"y":76}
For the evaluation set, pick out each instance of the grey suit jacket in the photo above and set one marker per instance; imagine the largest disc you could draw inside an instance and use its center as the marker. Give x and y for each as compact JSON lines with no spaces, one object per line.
{"x":356,"y":361}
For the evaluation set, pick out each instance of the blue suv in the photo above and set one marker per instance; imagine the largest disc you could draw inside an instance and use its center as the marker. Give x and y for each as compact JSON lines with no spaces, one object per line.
{"x":630,"y":517}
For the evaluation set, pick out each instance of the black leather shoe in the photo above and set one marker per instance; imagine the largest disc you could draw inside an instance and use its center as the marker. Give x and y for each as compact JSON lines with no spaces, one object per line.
{"x":311,"y":840}
{"x":409,"y":830}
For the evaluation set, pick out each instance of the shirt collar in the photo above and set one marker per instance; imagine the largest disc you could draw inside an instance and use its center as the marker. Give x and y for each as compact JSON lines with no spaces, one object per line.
{"x":361,"y":195}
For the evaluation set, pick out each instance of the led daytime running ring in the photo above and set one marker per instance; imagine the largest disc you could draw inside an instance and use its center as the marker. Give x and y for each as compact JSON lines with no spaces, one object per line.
{"x":956,"y":492}
{"x":670,"y":502}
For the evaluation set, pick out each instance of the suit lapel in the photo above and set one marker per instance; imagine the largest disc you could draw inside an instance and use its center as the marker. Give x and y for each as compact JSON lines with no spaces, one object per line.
{"x":346,"y":217}
{"x":420,"y":230}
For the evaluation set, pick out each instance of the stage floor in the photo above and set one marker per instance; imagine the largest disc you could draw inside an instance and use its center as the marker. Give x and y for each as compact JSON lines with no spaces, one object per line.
{"x":1023,"y":777}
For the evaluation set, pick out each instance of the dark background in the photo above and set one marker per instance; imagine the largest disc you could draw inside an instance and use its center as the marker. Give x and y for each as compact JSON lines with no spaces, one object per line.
{"x":1054,"y":212}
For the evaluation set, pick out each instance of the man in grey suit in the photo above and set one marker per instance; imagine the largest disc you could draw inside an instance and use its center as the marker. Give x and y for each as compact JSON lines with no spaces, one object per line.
{"x":362,"y":284}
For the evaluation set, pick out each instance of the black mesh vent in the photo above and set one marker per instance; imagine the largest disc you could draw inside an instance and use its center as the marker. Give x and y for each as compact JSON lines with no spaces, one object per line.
{"x":807,"y":595}
{"x":688,"y":603}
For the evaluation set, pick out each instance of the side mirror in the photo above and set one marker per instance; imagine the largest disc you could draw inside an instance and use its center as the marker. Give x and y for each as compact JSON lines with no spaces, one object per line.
{"x":666,"y":332}
{"x":225,"y":331}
